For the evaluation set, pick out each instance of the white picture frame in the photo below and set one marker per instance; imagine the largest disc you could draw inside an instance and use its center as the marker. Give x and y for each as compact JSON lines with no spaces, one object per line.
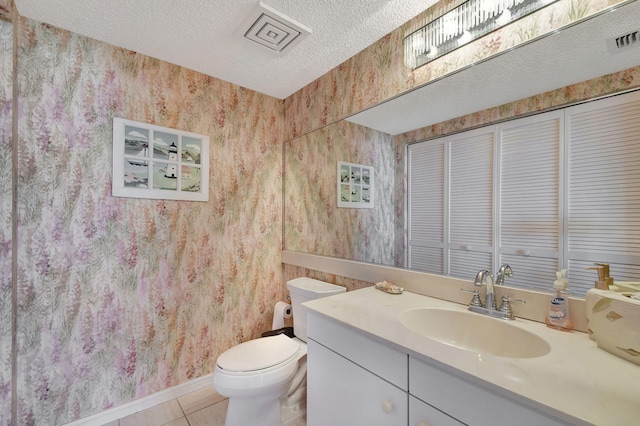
{"x":158,"y":162}
{"x":355,"y":183}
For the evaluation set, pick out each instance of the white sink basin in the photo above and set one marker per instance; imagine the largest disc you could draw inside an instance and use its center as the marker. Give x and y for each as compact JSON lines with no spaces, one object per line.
{"x":474,"y":332}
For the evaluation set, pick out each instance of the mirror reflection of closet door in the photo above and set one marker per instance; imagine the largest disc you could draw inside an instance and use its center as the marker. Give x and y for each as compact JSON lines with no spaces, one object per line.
{"x":471,"y":202}
{"x":529,"y":203}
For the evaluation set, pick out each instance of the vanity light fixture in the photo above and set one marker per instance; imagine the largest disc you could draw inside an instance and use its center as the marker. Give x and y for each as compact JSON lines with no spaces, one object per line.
{"x":467,"y":22}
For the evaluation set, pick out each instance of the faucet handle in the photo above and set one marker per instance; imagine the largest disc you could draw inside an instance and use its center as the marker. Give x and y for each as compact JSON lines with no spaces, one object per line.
{"x":475,"y":301}
{"x":505,"y":306}
{"x":513,"y":299}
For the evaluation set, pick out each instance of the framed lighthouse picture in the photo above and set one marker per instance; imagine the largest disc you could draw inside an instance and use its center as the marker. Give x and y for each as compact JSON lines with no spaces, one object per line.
{"x":355,"y":185}
{"x":157,"y":162}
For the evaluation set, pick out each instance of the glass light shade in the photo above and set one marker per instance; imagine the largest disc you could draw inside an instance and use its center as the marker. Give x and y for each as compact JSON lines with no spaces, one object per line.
{"x":467,"y":22}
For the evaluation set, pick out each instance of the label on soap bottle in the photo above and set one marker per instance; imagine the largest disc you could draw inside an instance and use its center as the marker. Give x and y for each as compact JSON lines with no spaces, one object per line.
{"x":558,"y":316}
{"x":557,"y":312}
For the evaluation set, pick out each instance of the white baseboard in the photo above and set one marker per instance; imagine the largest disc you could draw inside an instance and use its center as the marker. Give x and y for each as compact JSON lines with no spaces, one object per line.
{"x":146,"y":402}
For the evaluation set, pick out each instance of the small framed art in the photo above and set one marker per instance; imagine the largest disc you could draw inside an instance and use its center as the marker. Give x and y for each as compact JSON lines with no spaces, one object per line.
{"x":157,"y":162}
{"x":355,"y":185}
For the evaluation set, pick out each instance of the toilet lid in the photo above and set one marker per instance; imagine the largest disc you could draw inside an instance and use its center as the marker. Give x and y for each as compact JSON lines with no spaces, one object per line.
{"x":258,"y":354}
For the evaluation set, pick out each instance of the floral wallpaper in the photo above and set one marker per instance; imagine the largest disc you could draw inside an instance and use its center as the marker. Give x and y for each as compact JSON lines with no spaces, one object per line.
{"x":5,"y":10}
{"x":120,"y":298}
{"x":314,"y":223}
{"x":6,"y":98}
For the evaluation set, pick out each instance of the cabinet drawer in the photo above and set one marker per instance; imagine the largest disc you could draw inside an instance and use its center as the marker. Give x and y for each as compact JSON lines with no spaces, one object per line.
{"x":340,"y":392}
{"x":469,"y":402}
{"x":371,"y":354}
{"x":422,"y":414}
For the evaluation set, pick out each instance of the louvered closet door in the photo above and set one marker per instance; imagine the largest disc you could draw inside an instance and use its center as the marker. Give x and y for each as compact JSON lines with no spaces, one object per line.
{"x":426,"y":164}
{"x":604,"y":189}
{"x":471,"y":202}
{"x":529,"y":204}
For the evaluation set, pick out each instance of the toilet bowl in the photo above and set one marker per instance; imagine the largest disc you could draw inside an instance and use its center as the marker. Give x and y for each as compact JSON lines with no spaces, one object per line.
{"x":265,"y":379}
{"x":254,"y":375}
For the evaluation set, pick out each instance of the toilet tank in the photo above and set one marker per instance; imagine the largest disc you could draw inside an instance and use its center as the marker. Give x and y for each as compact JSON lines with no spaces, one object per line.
{"x":304,"y":289}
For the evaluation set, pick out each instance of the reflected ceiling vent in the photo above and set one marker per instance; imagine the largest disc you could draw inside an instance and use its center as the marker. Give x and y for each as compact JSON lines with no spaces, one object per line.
{"x":624,"y":42}
{"x":272,"y":29}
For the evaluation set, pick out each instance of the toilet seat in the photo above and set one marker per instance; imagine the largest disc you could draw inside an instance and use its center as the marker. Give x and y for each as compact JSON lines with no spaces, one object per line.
{"x":259,"y":354}
{"x":257,"y":367}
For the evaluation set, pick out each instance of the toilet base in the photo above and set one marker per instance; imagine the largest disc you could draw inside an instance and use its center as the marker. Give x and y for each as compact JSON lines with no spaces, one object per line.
{"x":293,"y":407}
{"x":263,"y":410}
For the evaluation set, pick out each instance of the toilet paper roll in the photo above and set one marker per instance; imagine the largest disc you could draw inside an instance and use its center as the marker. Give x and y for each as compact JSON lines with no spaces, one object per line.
{"x":281,"y":311}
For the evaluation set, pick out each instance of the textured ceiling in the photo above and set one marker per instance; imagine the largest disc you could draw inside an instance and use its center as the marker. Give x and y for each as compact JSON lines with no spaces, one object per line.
{"x":199,"y":34}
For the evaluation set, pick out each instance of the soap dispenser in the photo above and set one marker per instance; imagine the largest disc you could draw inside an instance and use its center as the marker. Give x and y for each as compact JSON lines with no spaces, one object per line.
{"x":558,"y":316}
{"x":604,"y":280}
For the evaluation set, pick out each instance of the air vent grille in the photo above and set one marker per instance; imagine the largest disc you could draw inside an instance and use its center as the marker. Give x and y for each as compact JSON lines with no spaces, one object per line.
{"x":272,"y":33}
{"x":624,"y":42}
{"x":271,"y":29}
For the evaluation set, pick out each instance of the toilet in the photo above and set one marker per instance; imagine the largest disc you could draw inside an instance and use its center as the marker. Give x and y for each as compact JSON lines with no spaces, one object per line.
{"x":265,"y":379}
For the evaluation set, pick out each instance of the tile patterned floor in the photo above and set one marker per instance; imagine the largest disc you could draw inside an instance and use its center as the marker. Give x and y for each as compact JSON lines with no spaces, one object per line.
{"x":200,"y":408}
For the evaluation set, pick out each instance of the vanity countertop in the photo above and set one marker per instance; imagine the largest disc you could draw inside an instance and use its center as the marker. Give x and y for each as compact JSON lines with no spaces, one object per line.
{"x":576,"y":379}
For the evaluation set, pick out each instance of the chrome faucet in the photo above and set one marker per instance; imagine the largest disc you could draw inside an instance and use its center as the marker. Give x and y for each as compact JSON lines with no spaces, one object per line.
{"x":490,"y":307}
{"x":480,"y":278}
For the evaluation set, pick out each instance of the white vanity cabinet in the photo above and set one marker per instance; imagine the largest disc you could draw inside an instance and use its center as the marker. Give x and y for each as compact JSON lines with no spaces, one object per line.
{"x":340,"y":392}
{"x":423,"y":414}
{"x":356,"y":379}
{"x":353,"y":379}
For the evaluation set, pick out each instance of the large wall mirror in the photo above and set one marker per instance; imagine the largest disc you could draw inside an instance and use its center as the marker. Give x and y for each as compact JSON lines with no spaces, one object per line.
{"x":315,"y":224}
{"x":313,"y":221}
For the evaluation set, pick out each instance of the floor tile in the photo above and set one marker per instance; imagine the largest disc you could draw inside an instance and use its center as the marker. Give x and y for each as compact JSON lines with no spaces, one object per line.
{"x":154,"y":416}
{"x":212,"y":415}
{"x":182,"y":421}
{"x":199,"y":399}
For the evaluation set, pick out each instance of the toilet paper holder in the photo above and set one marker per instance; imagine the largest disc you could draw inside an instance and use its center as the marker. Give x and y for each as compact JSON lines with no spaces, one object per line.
{"x":281,"y":311}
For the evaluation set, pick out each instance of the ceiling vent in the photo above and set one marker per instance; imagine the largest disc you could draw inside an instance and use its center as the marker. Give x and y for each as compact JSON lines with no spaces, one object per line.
{"x":624,"y":42}
{"x":272,"y":29}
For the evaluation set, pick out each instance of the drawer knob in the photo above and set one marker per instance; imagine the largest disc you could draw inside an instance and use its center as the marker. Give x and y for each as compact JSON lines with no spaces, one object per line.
{"x":387,"y":406}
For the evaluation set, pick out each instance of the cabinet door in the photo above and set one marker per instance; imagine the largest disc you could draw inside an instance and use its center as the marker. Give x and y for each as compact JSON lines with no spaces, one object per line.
{"x":422,"y":414}
{"x":340,"y":392}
